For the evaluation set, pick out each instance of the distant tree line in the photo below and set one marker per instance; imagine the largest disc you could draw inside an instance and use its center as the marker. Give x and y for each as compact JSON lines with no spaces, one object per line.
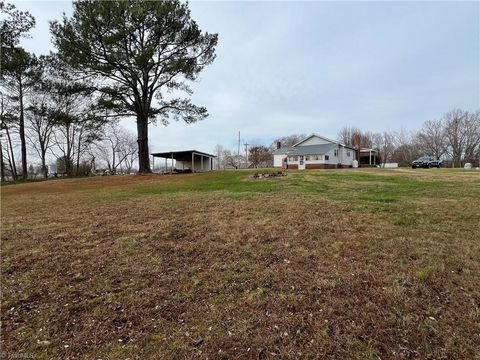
{"x":455,"y":138}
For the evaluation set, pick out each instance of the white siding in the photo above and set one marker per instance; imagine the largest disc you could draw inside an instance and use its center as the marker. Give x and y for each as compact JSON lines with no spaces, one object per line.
{"x":348,"y":155}
{"x":342,"y":156}
{"x":277,"y":160}
{"x":332,"y":159}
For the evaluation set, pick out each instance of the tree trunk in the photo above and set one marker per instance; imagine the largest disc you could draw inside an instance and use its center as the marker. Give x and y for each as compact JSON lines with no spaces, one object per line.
{"x":68,"y":155}
{"x":22,"y":136}
{"x":114,"y":166}
{"x":2,"y":165}
{"x":78,"y":152}
{"x":43,"y":152}
{"x":14,"y":176}
{"x":44,"y":166}
{"x":143,"y":153}
{"x":13,"y":166}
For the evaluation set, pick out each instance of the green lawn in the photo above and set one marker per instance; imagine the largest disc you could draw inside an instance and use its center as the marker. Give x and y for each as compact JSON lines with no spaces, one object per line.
{"x":358,"y":263}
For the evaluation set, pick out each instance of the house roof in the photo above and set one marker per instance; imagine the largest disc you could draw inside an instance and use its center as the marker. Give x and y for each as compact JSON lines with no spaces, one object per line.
{"x":306,"y":150}
{"x":282,"y":150}
{"x":321,"y":137}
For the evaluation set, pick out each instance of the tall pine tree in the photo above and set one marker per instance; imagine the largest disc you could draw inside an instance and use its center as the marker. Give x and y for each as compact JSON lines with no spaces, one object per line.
{"x":138,"y":51}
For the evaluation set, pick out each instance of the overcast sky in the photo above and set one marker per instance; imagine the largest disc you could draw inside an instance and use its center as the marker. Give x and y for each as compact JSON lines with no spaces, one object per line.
{"x":314,"y":67}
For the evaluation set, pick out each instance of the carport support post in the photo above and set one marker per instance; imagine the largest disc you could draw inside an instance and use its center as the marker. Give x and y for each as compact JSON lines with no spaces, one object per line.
{"x":166,"y":165}
{"x":201,"y":162}
{"x":193,"y":163}
{"x":171,"y":169}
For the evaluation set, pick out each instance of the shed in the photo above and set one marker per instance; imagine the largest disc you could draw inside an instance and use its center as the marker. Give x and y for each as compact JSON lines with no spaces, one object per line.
{"x":186,"y":160}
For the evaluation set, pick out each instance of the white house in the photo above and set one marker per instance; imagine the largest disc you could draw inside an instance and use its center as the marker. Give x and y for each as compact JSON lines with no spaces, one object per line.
{"x":314,"y":152}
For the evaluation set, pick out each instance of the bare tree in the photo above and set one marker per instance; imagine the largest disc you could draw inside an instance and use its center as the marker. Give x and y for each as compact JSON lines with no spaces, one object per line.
{"x":353,"y":136}
{"x":116,"y":148}
{"x":432,"y":138}
{"x":72,"y":141}
{"x":232,"y":160}
{"x":7,"y":124}
{"x":406,"y":147}
{"x":289,"y":140}
{"x":219,"y":152}
{"x":472,"y":134}
{"x":109,"y":145}
{"x":260,"y":156}
{"x":347,"y":135}
{"x":455,"y":123}
{"x":40,"y":126}
{"x":10,"y":155}
{"x":128,"y":151}
{"x":385,"y":143}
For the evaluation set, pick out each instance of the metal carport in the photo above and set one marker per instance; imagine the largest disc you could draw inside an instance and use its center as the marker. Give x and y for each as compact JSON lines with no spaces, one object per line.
{"x":193,"y":160}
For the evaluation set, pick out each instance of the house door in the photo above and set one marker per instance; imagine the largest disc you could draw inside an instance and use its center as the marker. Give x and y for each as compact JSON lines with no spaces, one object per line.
{"x":301,"y":162}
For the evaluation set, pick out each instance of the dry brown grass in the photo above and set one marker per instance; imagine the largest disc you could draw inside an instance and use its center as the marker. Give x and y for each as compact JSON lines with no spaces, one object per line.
{"x":321,"y":264}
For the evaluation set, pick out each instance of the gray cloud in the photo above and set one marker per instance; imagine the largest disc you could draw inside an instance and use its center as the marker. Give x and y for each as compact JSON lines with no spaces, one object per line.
{"x":291,"y":67}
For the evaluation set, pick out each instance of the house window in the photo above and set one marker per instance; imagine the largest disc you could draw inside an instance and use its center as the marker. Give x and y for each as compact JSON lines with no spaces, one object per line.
{"x":327,"y":157}
{"x":314,"y":157}
{"x":335,"y":152}
{"x":348,"y":153}
{"x":292,"y":158}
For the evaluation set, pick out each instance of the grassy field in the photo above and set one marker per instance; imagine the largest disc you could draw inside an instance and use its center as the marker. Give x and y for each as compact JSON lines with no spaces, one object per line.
{"x":359,"y":264}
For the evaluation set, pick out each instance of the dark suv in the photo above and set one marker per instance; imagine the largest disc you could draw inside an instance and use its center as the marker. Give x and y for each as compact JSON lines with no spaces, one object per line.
{"x":426,"y":162}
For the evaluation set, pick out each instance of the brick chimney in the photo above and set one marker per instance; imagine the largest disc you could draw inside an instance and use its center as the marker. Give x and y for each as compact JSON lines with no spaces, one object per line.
{"x":279,"y":144}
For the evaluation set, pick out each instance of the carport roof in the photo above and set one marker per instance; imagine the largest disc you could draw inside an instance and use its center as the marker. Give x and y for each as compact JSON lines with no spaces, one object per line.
{"x":181,"y":155}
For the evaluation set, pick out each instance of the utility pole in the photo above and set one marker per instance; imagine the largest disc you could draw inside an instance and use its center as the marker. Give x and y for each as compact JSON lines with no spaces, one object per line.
{"x":246,"y":155}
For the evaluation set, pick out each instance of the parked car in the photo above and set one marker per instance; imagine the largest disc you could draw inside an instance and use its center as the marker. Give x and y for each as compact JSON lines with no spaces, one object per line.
{"x":426,"y":162}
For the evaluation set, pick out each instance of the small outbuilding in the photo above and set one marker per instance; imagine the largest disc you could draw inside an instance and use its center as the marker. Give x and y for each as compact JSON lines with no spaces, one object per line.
{"x":186,"y":160}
